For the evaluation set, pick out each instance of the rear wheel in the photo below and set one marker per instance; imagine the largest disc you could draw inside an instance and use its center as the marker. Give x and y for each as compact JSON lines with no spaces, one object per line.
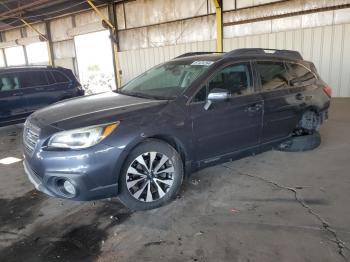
{"x":151,"y":176}
{"x":309,"y":123}
{"x":305,"y":136}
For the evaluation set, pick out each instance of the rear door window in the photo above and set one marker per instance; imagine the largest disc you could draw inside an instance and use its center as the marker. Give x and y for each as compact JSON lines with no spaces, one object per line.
{"x":59,"y":77}
{"x":9,"y":82}
{"x":33,"y":79}
{"x":50,"y":77}
{"x":273,"y":75}
{"x":299,"y":75}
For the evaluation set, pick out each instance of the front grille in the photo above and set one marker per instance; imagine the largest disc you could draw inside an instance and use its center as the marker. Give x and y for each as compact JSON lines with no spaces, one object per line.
{"x":30,"y":137}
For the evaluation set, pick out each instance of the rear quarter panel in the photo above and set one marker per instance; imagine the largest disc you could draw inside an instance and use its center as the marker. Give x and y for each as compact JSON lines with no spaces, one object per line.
{"x":315,"y":99}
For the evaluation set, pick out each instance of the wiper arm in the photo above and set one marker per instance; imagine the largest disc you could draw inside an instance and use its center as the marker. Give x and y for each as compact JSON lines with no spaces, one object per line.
{"x":143,"y":95}
{"x":134,"y":94}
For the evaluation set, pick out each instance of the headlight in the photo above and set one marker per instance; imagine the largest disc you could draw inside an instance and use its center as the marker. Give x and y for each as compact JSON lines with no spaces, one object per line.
{"x":82,"y":137}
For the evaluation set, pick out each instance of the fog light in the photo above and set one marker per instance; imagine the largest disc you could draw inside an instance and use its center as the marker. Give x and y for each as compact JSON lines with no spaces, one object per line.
{"x":69,"y":187}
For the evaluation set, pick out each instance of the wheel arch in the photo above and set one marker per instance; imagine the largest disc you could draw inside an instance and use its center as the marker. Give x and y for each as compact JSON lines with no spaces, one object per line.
{"x":312,"y":108}
{"x":174,"y":142}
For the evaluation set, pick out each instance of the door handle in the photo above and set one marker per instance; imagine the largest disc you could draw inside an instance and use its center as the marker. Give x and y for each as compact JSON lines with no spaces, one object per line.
{"x":39,"y":88}
{"x":299,"y":96}
{"x":254,"y":108}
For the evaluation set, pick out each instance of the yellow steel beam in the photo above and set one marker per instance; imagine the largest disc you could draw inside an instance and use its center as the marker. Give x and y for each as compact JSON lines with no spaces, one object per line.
{"x":99,"y":13}
{"x":43,"y":36}
{"x":33,"y":28}
{"x":115,"y":46}
{"x":218,"y":12}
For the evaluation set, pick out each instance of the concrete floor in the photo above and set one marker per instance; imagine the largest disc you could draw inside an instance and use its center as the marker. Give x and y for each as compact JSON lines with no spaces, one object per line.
{"x":239,"y":211}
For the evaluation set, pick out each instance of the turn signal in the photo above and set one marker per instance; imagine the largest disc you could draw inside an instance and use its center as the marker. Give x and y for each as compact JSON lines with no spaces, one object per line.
{"x":109,"y":129}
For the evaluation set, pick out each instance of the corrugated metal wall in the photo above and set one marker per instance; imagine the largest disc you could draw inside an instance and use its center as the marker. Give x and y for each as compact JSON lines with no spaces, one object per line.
{"x":135,"y":62}
{"x":328,"y":47}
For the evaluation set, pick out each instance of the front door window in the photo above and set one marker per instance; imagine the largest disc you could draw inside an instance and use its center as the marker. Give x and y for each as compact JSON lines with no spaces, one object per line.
{"x":236,"y":78}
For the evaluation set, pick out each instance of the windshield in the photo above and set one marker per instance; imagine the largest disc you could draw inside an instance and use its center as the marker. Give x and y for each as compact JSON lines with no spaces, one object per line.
{"x":165,"y":81}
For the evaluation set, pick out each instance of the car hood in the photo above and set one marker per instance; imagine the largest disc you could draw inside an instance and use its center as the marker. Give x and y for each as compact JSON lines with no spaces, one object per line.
{"x":93,"y":110}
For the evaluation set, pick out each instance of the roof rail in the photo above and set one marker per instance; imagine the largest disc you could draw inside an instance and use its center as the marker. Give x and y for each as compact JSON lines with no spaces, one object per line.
{"x":268,"y":52}
{"x":197,"y":53}
{"x":27,"y":66}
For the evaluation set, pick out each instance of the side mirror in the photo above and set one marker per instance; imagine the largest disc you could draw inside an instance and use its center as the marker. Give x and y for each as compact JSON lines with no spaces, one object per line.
{"x":216,"y":95}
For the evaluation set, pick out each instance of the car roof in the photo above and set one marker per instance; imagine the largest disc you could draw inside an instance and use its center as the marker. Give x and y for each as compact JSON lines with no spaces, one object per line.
{"x":201,"y":57}
{"x":242,"y":53}
{"x":221,"y":57}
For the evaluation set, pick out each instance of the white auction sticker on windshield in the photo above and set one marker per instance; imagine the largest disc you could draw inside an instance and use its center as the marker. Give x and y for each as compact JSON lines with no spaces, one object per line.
{"x":203,"y":63}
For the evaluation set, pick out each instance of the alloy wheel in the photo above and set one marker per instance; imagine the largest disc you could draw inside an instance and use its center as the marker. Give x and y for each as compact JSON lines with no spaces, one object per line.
{"x":150,"y":176}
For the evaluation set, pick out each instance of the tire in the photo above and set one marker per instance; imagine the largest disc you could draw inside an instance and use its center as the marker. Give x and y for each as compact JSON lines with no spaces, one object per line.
{"x":309,"y":123}
{"x":301,"y":143}
{"x":142,"y":187}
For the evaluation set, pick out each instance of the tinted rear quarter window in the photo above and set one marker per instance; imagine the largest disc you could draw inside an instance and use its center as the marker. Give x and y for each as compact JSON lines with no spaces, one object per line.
{"x":273,"y":75}
{"x":299,"y":75}
{"x":33,"y":78}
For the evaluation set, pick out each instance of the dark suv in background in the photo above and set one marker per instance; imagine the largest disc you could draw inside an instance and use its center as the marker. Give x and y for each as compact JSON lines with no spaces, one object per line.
{"x":26,"y":89}
{"x":182,"y":115}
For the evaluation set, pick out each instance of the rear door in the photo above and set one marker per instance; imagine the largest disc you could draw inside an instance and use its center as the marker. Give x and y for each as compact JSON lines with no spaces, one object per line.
{"x":36,"y":89}
{"x":12,"y":102}
{"x":230,"y":125}
{"x":44,"y":87}
{"x":63,"y":86}
{"x":279,"y":107}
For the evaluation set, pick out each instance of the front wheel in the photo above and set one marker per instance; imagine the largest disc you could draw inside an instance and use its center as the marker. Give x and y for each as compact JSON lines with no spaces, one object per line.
{"x":151,"y":176}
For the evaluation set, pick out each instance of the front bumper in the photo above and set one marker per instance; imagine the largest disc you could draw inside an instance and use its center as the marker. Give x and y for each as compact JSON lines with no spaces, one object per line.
{"x":83,"y":191}
{"x":93,"y":173}
{"x":35,"y":180}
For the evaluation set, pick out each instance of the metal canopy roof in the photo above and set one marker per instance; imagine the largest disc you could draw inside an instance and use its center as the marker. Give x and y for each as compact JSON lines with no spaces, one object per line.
{"x":38,"y":10}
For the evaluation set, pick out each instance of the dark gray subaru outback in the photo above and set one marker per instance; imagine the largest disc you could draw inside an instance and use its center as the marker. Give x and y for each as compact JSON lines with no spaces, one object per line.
{"x":185,"y":114}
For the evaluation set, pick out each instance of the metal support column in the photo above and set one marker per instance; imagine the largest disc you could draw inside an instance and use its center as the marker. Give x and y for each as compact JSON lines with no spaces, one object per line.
{"x":4,"y":56}
{"x":49,"y":44}
{"x":42,"y":38}
{"x":115,"y":41}
{"x":2,"y":50}
{"x":25,"y":55}
{"x":219,"y":37}
{"x":114,"y":38}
